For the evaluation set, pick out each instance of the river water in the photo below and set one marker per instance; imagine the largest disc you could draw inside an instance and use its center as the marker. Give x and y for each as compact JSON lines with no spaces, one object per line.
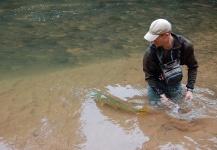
{"x":54,"y":53}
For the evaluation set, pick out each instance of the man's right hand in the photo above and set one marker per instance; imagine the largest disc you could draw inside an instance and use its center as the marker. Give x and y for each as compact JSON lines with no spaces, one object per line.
{"x":165,"y":100}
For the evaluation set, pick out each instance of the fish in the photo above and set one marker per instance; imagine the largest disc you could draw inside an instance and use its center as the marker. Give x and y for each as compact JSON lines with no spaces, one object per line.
{"x":117,"y":104}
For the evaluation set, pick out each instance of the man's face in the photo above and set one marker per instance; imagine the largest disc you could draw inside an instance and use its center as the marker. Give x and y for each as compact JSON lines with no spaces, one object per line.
{"x":160,"y":40}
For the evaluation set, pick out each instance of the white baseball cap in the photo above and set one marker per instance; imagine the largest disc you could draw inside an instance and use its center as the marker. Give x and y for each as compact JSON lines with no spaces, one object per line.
{"x":157,"y":27}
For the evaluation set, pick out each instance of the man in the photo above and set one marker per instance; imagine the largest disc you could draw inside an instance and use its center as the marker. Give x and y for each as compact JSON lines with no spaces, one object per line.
{"x":162,"y":64}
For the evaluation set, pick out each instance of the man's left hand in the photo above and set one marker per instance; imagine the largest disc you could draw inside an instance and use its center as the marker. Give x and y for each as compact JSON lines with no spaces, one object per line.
{"x":189,"y":95}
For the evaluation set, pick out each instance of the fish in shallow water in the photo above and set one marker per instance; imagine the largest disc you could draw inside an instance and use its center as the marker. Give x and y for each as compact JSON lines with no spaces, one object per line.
{"x":105,"y":99}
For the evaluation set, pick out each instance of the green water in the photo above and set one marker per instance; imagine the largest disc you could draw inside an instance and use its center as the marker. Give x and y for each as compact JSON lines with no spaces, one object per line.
{"x":40,"y":35}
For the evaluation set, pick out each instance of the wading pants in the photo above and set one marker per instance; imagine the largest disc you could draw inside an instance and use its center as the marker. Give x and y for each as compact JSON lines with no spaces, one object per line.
{"x":174,"y":93}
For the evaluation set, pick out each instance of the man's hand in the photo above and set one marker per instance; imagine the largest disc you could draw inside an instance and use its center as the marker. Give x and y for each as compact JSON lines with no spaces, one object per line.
{"x":165,"y":100}
{"x":189,"y":95}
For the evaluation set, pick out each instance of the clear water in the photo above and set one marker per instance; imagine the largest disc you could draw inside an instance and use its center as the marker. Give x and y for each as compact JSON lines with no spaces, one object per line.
{"x":73,"y":40}
{"x":41,"y":35}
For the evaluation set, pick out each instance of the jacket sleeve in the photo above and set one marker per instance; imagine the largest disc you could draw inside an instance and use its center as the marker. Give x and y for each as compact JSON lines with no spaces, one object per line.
{"x":151,"y":70}
{"x":191,"y":63}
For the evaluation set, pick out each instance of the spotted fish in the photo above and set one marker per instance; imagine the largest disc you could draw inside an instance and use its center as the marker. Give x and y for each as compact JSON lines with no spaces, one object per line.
{"x":105,"y":99}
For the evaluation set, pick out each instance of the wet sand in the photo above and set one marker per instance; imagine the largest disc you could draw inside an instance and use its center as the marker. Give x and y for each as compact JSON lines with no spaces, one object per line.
{"x":55,"y":111}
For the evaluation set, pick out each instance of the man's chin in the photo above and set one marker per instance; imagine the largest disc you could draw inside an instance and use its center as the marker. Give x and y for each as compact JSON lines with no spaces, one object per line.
{"x":156,"y":45}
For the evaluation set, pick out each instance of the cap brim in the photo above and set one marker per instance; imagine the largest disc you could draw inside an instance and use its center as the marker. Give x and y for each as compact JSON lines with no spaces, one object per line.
{"x":150,"y":37}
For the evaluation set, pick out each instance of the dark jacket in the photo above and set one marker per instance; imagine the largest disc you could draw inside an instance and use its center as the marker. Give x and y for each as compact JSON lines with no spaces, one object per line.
{"x":153,"y":71}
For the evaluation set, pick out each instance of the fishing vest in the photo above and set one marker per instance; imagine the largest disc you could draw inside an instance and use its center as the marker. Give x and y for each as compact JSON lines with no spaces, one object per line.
{"x":172,"y":71}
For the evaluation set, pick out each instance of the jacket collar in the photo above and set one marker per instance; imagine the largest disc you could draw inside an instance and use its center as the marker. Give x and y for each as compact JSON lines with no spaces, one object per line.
{"x":177,"y":43}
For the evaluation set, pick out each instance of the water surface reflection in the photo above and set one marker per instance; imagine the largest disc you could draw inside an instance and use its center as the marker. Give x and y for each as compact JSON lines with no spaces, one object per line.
{"x":105,"y":131}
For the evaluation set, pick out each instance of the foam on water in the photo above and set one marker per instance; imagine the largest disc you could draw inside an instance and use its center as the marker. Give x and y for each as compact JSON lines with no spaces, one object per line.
{"x":170,"y":146}
{"x":4,"y":145}
{"x":200,"y":107}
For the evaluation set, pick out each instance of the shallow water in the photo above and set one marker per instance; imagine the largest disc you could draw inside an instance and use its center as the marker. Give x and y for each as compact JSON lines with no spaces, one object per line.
{"x":53,"y":54}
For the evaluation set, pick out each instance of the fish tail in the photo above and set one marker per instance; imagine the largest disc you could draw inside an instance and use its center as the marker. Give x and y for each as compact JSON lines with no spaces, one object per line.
{"x":142,"y":111}
{"x":101,"y":103}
